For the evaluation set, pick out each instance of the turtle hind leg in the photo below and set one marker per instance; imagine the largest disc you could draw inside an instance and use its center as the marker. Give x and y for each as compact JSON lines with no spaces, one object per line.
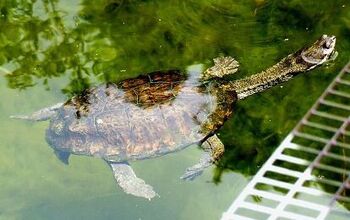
{"x":129,"y":182}
{"x":214,"y":150}
{"x":40,"y":115}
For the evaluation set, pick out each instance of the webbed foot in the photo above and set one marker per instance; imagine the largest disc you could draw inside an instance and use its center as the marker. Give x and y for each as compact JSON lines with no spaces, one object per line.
{"x":130,"y":183}
{"x":196,"y":170}
{"x":223,"y":66}
{"x":214,"y":150}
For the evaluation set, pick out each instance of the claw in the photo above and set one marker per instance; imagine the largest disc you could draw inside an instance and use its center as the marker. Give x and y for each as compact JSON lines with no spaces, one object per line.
{"x":196,"y":170}
{"x":191,"y":173}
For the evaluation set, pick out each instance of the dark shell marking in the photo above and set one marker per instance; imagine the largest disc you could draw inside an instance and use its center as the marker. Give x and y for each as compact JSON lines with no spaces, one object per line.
{"x":139,"y":118}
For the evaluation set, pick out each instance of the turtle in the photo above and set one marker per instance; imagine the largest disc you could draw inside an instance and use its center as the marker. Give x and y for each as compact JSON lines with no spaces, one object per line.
{"x":163,"y":112}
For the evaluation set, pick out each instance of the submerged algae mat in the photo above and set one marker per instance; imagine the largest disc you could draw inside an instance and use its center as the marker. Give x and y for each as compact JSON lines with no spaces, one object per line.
{"x":55,"y":49}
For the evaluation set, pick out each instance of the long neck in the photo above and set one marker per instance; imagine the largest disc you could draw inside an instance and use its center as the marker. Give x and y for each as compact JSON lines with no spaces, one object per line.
{"x":280,"y":72}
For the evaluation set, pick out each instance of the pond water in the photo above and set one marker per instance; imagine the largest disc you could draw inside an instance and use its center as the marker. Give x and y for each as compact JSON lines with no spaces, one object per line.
{"x":54,"y":49}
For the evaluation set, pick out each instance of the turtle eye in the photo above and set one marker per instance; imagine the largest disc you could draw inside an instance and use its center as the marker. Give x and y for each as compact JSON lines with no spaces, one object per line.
{"x":326,"y":45}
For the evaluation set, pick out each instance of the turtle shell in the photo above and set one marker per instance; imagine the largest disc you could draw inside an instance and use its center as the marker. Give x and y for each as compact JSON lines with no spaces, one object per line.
{"x":139,"y":118}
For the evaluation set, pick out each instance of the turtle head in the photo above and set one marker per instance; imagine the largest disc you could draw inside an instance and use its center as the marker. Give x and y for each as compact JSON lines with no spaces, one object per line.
{"x":319,"y":52}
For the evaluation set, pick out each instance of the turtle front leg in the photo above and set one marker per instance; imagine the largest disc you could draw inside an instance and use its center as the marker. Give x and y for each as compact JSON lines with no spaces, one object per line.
{"x":129,"y":182}
{"x":40,"y":115}
{"x":214,"y":149}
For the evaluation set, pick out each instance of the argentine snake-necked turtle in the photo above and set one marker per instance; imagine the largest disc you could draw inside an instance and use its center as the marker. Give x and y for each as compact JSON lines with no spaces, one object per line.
{"x":162,"y":112}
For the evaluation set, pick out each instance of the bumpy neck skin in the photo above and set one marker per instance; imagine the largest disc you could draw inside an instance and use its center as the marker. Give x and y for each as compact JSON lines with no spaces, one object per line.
{"x":280,"y":72}
{"x":301,"y":61}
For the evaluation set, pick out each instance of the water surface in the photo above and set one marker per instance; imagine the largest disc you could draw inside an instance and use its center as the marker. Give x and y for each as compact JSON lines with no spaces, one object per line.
{"x":51,"y":50}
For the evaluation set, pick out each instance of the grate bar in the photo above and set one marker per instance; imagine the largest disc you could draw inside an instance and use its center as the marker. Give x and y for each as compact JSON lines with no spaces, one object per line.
{"x":326,"y":181}
{"x":347,"y":146}
{"x":236,"y":217}
{"x":338,"y":157}
{"x":340,"y":190}
{"x":323,"y":127}
{"x":295,"y":160}
{"x":334,"y":104}
{"x":296,"y":182}
{"x":305,"y":149}
{"x":338,"y":93}
{"x":267,"y":210}
{"x":285,"y":171}
{"x":330,"y":168}
{"x":302,"y":148}
{"x":280,"y":198}
{"x":311,"y":137}
{"x":274,"y":182}
{"x":344,"y":82}
{"x":327,"y":115}
{"x":342,"y":198}
{"x":307,"y":172}
{"x":347,"y":133}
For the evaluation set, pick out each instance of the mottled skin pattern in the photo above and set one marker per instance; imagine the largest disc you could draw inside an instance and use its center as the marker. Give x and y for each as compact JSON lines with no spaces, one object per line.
{"x":139,"y":118}
{"x":305,"y":59}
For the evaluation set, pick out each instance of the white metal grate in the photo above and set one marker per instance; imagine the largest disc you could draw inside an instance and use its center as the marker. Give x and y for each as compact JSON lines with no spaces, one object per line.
{"x":308,"y":176}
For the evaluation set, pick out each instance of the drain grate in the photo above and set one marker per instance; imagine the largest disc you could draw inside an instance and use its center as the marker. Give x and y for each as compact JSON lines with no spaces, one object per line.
{"x":308,"y":176}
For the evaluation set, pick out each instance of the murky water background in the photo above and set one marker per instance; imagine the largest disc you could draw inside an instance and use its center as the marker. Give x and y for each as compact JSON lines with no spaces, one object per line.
{"x":51,"y":50}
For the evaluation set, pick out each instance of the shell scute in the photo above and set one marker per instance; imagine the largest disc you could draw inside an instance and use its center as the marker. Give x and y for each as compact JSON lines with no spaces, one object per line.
{"x":138,"y":118}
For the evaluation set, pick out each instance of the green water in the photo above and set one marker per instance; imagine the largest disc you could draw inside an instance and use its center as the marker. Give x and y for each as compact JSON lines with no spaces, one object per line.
{"x":52,"y":50}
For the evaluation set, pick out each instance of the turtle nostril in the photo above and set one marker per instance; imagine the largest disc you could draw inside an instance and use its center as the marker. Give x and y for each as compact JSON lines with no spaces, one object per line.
{"x":327,"y":45}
